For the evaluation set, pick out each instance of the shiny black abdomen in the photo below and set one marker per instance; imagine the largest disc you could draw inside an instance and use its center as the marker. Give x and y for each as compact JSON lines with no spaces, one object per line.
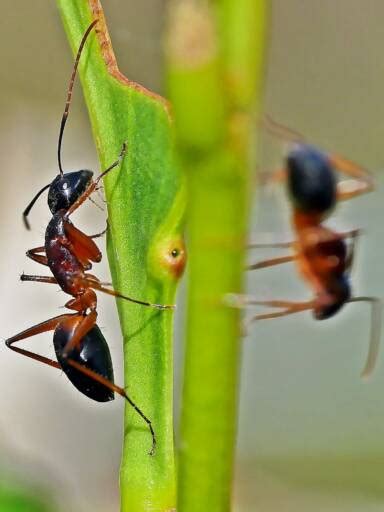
{"x":311,"y":180}
{"x":64,"y":265}
{"x":94,"y":354}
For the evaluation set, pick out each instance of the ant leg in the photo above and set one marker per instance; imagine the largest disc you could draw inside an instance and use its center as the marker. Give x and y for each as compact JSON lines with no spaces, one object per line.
{"x":96,"y":204}
{"x":351,"y":249}
{"x":95,"y":279}
{"x":289,"y":307}
{"x":83,"y":327}
{"x":39,"y":258}
{"x":48,"y":325}
{"x":98,"y":286}
{"x":375,"y":332}
{"x":276,"y":176}
{"x":80,"y":200}
{"x":348,"y":189}
{"x":361,"y":184}
{"x":286,"y":307}
{"x":273,"y":245}
{"x":115,"y":164}
{"x":271,"y":262}
{"x":110,"y":385}
{"x":240,"y":301}
{"x":39,"y":279}
{"x":99,"y":235}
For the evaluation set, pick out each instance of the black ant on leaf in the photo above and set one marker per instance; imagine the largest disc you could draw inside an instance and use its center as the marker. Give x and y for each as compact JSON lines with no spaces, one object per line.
{"x":81,"y":349}
{"x":322,"y":256}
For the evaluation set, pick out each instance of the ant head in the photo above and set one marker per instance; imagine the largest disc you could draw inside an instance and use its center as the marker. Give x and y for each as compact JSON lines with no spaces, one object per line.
{"x":329,"y":303}
{"x":66,"y":188}
{"x":311,"y":180}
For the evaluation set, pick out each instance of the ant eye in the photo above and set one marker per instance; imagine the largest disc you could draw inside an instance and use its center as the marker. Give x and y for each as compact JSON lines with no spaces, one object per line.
{"x":175,"y":253}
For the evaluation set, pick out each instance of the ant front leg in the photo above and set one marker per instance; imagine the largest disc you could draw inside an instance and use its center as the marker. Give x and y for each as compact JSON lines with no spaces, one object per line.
{"x":80,"y":200}
{"x":361,"y":183}
{"x":115,"y":164}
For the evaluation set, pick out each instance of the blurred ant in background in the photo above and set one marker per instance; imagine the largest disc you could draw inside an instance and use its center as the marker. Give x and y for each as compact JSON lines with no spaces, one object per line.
{"x":322,"y":256}
{"x":81,"y":349}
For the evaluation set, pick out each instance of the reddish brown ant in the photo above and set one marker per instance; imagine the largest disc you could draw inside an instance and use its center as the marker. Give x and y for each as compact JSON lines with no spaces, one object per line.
{"x":81,"y":349}
{"x":322,"y":256}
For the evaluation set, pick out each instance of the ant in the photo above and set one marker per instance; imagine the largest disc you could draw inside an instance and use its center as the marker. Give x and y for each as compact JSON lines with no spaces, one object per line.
{"x":322,"y":256}
{"x":81,"y":349}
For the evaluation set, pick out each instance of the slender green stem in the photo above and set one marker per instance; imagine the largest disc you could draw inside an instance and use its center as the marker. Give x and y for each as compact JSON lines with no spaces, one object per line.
{"x":145,"y":250}
{"x":214,"y":69}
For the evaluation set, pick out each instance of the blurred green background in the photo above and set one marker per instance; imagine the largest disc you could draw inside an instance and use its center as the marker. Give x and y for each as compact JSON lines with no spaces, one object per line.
{"x":310,"y":430}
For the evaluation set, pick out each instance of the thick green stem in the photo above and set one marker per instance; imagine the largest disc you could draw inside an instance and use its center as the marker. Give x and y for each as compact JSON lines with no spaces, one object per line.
{"x":145,"y":250}
{"x":214,"y":69}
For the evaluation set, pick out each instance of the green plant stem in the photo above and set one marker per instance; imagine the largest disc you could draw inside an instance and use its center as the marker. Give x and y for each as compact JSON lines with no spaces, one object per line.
{"x":214,"y":70}
{"x":145,"y":250}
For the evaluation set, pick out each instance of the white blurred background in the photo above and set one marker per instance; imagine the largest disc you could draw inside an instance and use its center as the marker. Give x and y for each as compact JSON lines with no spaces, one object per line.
{"x":310,"y":431}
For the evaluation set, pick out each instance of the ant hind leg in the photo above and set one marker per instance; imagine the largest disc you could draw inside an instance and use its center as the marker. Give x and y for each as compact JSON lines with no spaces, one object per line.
{"x":113,"y":387}
{"x":48,"y":325}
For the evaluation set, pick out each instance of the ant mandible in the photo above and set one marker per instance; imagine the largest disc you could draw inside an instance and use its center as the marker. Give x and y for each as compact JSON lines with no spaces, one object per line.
{"x":322,"y":256}
{"x":81,"y":349}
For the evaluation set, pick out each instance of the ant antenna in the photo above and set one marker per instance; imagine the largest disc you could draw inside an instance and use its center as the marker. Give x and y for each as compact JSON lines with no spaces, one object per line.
{"x":69,"y":93}
{"x":374,"y":341}
{"x":29,"y":207}
{"x":281,"y":131}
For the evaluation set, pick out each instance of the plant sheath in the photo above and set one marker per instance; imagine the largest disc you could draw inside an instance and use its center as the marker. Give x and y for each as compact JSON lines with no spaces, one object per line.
{"x":214,"y":59}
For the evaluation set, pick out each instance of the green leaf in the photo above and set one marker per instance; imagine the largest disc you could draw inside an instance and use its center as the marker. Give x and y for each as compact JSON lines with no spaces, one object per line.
{"x":145,"y":249}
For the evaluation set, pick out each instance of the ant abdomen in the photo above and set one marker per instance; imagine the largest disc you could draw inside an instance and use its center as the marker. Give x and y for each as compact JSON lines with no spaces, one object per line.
{"x":93,"y":354}
{"x":66,"y":188}
{"x":311,"y":180}
{"x":330,"y":303}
